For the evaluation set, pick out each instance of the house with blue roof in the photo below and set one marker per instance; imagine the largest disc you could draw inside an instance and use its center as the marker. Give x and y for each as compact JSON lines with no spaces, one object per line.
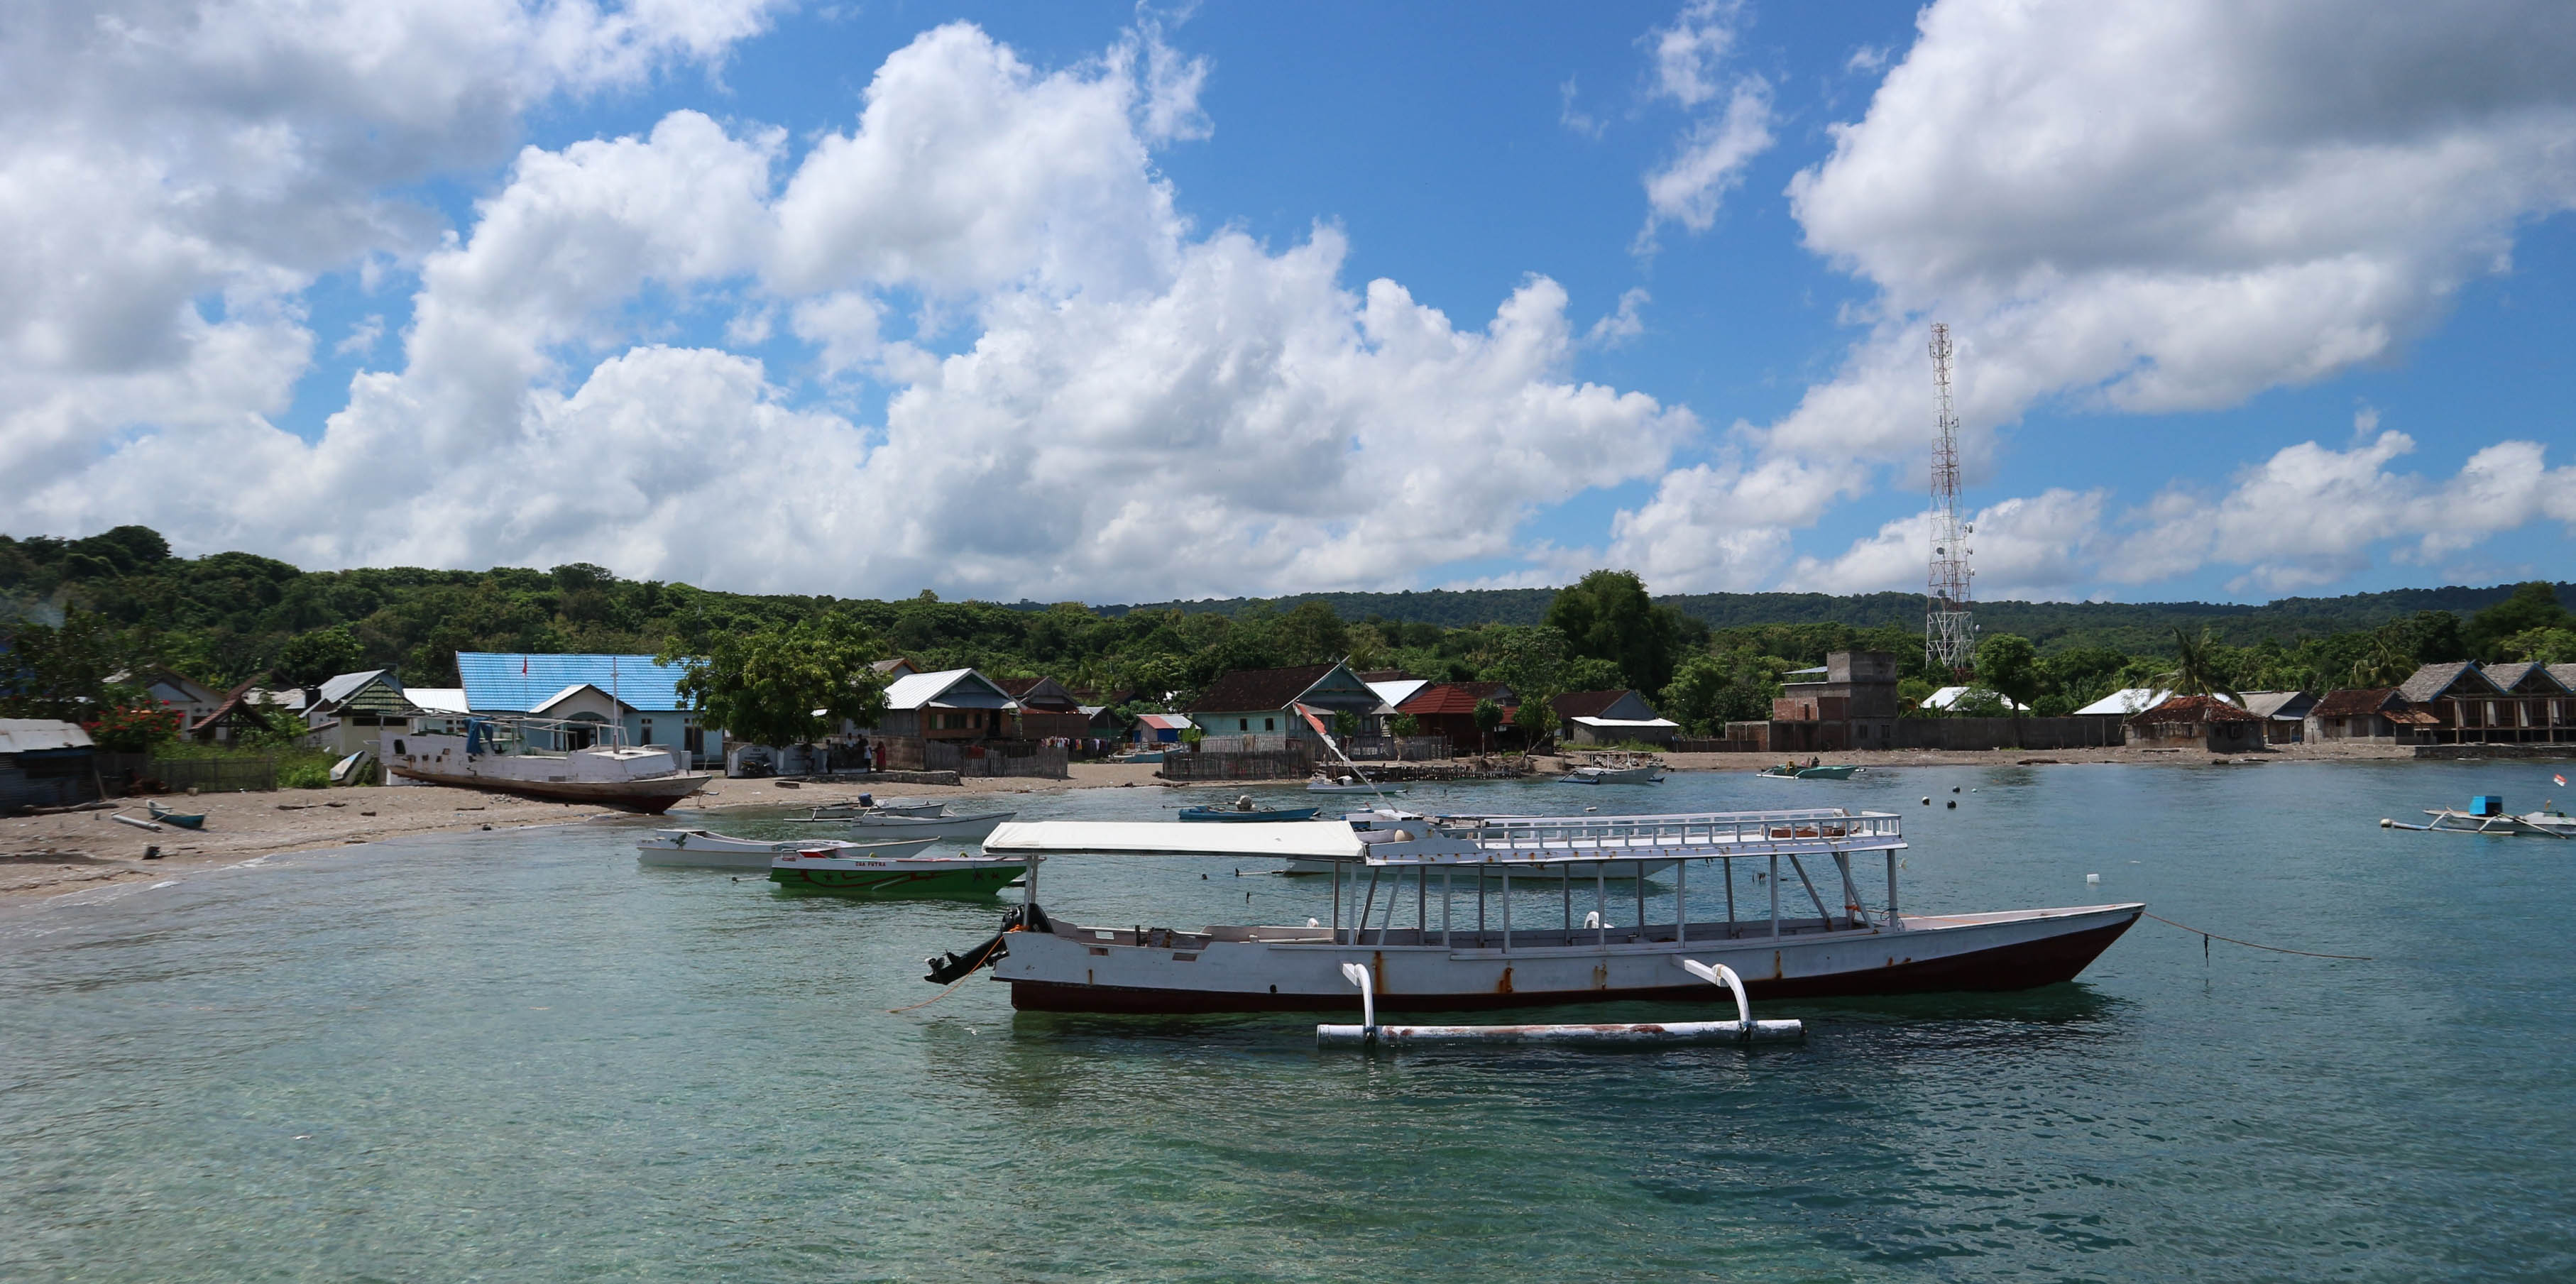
{"x":632,"y":691}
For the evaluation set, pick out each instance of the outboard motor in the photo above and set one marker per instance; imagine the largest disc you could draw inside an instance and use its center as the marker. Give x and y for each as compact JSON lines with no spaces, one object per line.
{"x":944,"y":970}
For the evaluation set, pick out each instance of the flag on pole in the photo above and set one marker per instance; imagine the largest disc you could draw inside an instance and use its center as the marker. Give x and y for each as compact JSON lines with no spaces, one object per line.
{"x":523,"y":666}
{"x":2562,"y":781}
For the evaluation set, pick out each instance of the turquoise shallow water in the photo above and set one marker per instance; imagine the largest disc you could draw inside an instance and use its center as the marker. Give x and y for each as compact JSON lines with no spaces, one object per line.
{"x":515,"y":1056}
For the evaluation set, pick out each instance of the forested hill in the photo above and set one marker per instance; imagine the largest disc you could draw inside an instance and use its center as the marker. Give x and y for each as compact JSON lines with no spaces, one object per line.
{"x":120,"y":601}
{"x":2136,"y":627}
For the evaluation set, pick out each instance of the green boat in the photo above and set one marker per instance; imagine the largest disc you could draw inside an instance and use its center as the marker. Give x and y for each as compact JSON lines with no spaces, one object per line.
{"x":829,"y":872}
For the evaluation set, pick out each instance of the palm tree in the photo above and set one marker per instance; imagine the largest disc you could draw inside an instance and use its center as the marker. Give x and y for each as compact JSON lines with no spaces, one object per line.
{"x":2196,"y":668}
{"x":2385,"y":664}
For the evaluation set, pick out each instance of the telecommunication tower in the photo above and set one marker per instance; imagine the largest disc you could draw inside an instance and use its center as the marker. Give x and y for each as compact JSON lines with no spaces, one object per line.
{"x":1949,"y":635}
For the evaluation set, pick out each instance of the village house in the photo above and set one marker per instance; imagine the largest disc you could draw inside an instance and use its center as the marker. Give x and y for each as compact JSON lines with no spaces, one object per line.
{"x":2513,"y":703}
{"x":2284,"y":714}
{"x":1161,"y":728}
{"x":241,"y":713}
{"x":1611,"y":717}
{"x":190,"y":699}
{"x":1047,"y":710}
{"x":636,"y":693}
{"x":2377,"y":714}
{"x":44,"y":763}
{"x":351,"y":711}
{"x":1848,"y":702}
{"x":1253,"y":710}
{"x":2199,"y":721}
{"x":1448,"y":709}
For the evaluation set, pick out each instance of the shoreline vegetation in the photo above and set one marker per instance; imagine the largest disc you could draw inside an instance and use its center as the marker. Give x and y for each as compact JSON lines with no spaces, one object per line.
{"x":75,"y":611}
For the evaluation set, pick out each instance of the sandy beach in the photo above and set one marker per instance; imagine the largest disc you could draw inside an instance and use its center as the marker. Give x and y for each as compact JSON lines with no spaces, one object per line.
{"x":45,"y":855}
{"x":50,"y":855}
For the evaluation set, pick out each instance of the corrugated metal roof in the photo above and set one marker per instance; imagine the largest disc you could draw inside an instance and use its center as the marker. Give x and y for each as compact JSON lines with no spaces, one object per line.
{"x":1395,"y":691}
{"x":1165,"y":721}
{"x":32,"y":735}
{"x":950,"y":688}
{"x":2126,"y":702}
{"x":337,"y":689}
{"x":1948,"y":696}
{"x":449,"y":700}
{"x":494,"y":683}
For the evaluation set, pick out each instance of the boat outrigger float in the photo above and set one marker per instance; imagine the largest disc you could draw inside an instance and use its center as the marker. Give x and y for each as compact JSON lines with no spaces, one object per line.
{"x":1475,"y":945}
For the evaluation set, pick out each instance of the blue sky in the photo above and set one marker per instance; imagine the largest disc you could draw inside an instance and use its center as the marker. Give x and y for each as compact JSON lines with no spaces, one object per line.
{"x":1092,"y":310}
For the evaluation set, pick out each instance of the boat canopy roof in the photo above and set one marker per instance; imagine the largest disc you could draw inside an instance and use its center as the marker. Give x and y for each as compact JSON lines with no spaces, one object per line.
{"x":1513,"y":840}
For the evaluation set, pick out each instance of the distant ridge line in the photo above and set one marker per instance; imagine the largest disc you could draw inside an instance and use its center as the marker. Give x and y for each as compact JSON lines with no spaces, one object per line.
{"x":2284,"y":617}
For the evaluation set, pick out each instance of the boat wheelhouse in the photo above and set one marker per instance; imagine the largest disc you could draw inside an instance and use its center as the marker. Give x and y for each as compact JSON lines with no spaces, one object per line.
{"x":1455,"y":917}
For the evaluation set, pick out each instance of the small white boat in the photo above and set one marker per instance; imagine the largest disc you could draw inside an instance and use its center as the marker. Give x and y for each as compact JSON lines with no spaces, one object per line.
{"x":866,"y":806}
{"x":2536,"y":824}
{"x":702,"y":849}
{"x":1347,"y":785}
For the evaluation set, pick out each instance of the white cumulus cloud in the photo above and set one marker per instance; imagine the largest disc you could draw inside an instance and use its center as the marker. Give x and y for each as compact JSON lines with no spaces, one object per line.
{"x":2156,"y":206}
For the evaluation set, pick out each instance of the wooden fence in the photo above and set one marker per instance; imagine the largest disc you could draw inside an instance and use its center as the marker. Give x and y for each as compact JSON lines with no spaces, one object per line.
{"x":997,"y":758}
{"x":1398,"y":748}
{"x":1292,"y":763}
{"x":122,"y":772}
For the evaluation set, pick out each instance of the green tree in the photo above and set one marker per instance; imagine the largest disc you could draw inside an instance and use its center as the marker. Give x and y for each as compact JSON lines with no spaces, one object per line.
{"x":2196,"y":668}
{"x":1405,"y":724}
{"x":309,"y":659}
{"x":1709,"y":691}
{"x":62,"y":671}
{"x":1346,"y":724}
{"x":2547,"y":646}
{"x":784,"y":685}
{"x":1536,"y":719}
{"x":2532,"y":606}
{"x":2008,"y":665}
{"x":2386,"y":662}
{"x":1311,"y":634}
{"x":1607,"y":615}
{"x":1487,"y":715}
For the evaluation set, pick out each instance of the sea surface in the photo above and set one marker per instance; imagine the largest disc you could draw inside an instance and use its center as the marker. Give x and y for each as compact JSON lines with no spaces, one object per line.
{"x":517,"y":1056}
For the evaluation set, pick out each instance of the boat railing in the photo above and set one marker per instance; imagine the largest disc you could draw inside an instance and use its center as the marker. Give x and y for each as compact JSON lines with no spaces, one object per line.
{"x":1648,"y":838}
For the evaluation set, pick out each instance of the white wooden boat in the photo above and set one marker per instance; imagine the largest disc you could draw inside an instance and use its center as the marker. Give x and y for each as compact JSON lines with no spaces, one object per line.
{"x":867,"y":806}
{"x":1462,"y":948}
{"x":702,"y":849}
{"x":1612,"y":776}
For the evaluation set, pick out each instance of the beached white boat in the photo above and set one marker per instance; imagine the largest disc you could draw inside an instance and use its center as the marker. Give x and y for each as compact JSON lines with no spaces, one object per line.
{"x":1462,"y":948}
{"x":489,"y":756}
{"x":704,"y":849}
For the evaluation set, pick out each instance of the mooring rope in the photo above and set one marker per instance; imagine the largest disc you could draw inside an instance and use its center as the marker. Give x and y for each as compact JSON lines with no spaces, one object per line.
{"x":2207,"y":937}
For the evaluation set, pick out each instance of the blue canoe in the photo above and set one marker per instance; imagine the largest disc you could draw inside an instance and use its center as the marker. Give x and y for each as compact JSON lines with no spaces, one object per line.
{"x":1260,"y":814}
